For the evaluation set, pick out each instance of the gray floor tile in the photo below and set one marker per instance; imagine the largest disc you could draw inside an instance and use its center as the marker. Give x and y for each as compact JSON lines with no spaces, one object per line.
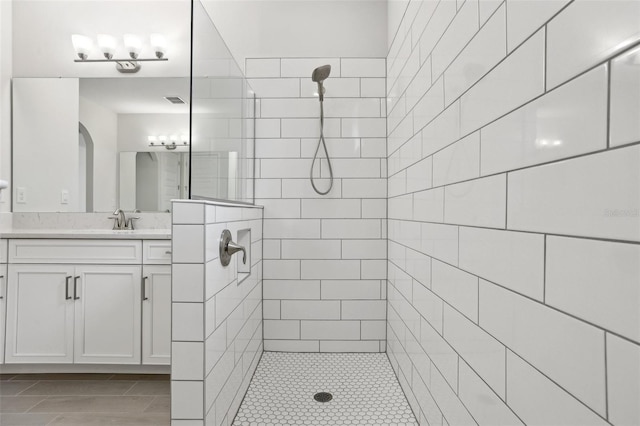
{"x":62,"y":376}
{"x":79,"y":387}
{"x":26,"y":419}
{"x":18,"y":404}
{"x":111,"y":419}
{"x":14,"y":388}
{"x":93,"y":404}
{"x":160,"y":405}
{"x":142,"y":377}
{"x":150,"y":388}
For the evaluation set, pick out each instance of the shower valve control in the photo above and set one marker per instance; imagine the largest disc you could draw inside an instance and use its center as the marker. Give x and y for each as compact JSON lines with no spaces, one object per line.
{"x":228,"y":248}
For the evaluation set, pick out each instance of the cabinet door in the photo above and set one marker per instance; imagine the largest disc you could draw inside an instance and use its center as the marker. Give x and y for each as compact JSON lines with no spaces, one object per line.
{"x":39,"y":314}
{"x":156,"y":315}
{"x":3,"y":304}
{"x":107,"y":314}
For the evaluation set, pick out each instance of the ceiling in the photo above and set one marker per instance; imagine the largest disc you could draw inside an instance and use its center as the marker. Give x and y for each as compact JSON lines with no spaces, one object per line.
{"x":137,"y":95}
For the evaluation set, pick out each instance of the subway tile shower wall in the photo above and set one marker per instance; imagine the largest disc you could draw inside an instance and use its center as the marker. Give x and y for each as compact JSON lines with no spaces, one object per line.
{"x":216,"y":318}
{"x":514,"y":200}
{"x":324,"y":256}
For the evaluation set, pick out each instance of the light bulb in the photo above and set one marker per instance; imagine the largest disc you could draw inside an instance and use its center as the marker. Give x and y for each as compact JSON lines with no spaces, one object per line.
{"x":173,"y":138}
{"x":159,"y":45}
{"x":107,"y":44}
{"x":184,"y":139}
{"x":82,"y":45}
{"x":152,"y":140}
{"x":162,"y":139}
{"x":133,"y":45}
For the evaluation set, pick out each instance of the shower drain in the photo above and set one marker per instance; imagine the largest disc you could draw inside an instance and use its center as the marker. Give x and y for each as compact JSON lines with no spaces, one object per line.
{"x":323,"y":397}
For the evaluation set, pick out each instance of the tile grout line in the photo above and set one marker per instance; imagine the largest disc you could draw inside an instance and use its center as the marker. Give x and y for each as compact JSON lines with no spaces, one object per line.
{"x":606,"y":379}
{"x":609,"y":97}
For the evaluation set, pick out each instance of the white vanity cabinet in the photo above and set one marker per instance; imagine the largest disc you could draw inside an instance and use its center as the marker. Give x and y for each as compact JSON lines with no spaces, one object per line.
{"x":156,"y":302}
{"x":156,"y":314}
{"x":3,"y":294}
{"x":74,"y":301}
{"x":40,"y":314}
{"x":107,"y":322}
{"x":64,"y":314}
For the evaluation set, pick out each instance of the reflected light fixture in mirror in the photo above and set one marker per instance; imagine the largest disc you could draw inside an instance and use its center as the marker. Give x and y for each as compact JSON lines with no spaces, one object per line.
{"x":159,"y":45}
{"x":169,"y":142}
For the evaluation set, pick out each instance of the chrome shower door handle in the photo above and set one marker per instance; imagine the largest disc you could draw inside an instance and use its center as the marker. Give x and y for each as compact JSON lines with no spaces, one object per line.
{"x":228,"y":247}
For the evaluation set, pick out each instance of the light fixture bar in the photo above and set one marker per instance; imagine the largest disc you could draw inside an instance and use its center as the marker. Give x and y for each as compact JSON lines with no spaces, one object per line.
{"x":168,"y":142}
{"x":122,"y":60}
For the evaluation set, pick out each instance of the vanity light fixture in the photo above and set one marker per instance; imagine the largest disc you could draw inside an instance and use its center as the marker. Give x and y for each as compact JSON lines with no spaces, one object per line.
{"x":82,"y":45}
{"x":133,"y":45}
{"x":108,"y":44}
{"x":168,"y":142}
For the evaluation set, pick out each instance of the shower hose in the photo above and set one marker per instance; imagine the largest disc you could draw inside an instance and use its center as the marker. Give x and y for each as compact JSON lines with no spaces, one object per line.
{"x":322,"y":142}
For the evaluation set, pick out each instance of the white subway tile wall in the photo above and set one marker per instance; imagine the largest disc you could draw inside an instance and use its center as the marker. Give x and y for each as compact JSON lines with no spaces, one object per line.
{"x":325,"y":273}
{"x":217,"y":321}
{"x":514,"y":211}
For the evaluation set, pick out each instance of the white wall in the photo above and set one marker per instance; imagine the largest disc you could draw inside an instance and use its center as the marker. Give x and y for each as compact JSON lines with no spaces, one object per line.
{"x":5,"y":101}
{"x":47,"y":157}
{"x":514,"y":231}
{"x":102,"y":125}
{"x":294,"y":28}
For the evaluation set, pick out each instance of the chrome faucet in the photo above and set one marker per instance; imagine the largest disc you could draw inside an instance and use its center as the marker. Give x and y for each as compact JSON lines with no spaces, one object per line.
{"x":120,"y":220}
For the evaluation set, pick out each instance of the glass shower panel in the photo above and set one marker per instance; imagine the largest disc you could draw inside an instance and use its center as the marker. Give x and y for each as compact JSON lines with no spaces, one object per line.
{"x":222,"y":118}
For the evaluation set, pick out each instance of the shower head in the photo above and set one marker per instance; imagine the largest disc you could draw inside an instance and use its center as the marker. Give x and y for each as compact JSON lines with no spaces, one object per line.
{"x":319,"y":75}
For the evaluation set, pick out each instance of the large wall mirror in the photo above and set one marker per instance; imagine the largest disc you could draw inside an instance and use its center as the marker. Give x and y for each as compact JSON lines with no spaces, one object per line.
{"x":96,"y":144}
{"x":82,"y":144}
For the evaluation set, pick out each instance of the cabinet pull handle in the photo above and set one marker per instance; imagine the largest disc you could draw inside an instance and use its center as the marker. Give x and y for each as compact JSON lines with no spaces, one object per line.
{"x":75,"y":288}
{"x":66,"y":287}
{"x":1,"y":296}
{"x":167,"y":252}
{"x":144,"y":288}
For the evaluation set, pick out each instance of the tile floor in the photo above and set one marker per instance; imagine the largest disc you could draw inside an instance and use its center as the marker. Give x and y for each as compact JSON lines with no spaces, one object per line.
{"x":84,"y":399}
{"x":364,"y":388}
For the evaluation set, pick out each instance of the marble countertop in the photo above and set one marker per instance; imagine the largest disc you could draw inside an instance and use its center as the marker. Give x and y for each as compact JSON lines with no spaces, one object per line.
{"x":138,"y":234}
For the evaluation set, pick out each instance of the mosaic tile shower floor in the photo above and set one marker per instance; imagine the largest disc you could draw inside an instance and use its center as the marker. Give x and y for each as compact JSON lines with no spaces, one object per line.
{"x":364,"y":388}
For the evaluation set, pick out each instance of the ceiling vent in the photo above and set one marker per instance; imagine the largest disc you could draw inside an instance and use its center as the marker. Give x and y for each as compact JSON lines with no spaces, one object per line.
{"x":175,"y":100}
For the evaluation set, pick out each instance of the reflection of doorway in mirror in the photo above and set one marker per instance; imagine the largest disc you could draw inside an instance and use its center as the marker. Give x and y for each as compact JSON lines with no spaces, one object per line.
{"x":147,"y":182}
{"x":158,"y":180}
{"x":85,"y":170}
{"x":169,"y":180}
